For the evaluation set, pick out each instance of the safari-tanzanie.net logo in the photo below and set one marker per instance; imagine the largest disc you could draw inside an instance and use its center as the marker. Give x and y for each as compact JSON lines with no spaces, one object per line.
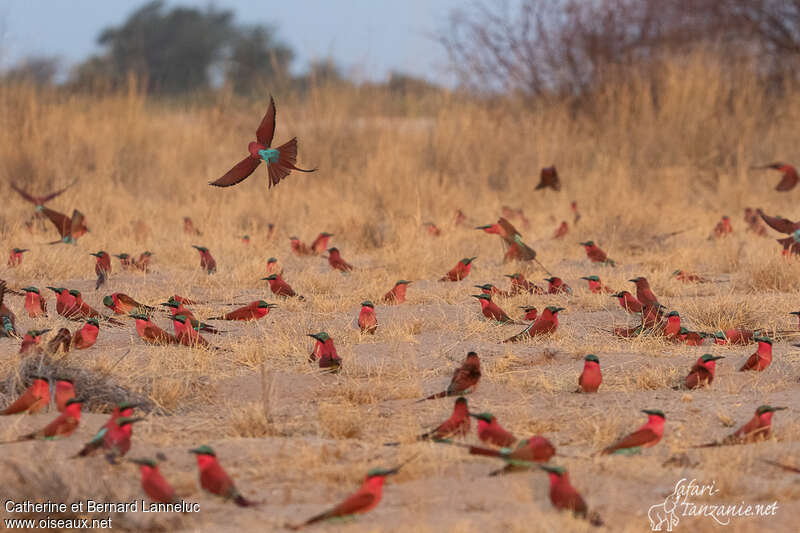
{"x":692,"y":499}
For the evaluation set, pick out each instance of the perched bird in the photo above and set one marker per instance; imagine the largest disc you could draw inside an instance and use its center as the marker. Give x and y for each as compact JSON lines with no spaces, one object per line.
{"x":336,"y":262}
{"x":460,"y":218}
{"x":628,"y":302}
{"x":530,"y":312}
{"x":556,"y":285}
{"x":214,"y":479}
{"x":561,"y":230}
{"x":545,"y":324}
{"x":272,"y":266}
{"x":34,"y":399}
{"x":151,"y":333}
{"x":182,"y":300}
{"x":280,"y":161}
{"x":460,"y":271}
{"x":363,"y":500}
{"x":31,"y":340}
{"x":367,"y":321}
{"x":102,"y":267}
{"x":686,"y":277}
{"x":465,"y":379}
{"x":154,"y":485}
{"x":758,"y":428}
{"x":125,"y":261}
{"x":564,"y":497}
{"x":15,"y":256}
{"x":722,"y":229}
{"x":397,"y":294}
{"x":596,"y":254}
{"x":789,"y":176}
{"x":702,"y":373}
{"x":187,"y":334}
{"x":114,"y":437}
{"x":591,"y":377}
{"x":491,"y":310}
{"x":87,"y":335}
{"x":528,"y":452}
{"x":762,"y":357}
{"x":490,"y":431}
{"x":85,"y":311}
{"x":320,"y":244}
{"x":596,"y":286}
{"x":63,"y":426}
{"x":520,"y":285}
{"x":179,"y":308}
{"x":207,"y":262}
{"x":299,"y":247}
{"x":734,"y":336}
{"x":643,"y":292}
{"x":251,"y":311}
{"x":325,"y":352}
{"x":70,"y":228}
{"x":188,"y":227}
{"x":548,"y":178}
{"x":35,"y":304}
{"x":65,"y":391}
{"x":491,"y":290}
{"x":457,"y":425}
{"x":122,"y":304}
{"x":431,"y":228}
{"x":245,"y":239}
{"x":517,"y":249}
{"x":61,"y":340}
{"x":673,"y":327}
{"x":645,"y":437}
{"x":279,"y":287}
{"x":143,"y":263}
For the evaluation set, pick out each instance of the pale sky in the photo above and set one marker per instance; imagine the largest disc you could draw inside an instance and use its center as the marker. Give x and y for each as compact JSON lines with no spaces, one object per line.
{"x":368,"y":38}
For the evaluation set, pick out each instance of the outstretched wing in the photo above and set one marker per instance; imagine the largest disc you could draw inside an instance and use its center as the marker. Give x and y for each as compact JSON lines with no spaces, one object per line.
{"x":285,"y":164}
{"x":266,"y":129}
{"x":788,"y":181}
{"x":780,"y":224}
{"x":238,"y":173}
{"x":24,"y":194}
{"x":61,"y":221}
{"x":52,"y":195}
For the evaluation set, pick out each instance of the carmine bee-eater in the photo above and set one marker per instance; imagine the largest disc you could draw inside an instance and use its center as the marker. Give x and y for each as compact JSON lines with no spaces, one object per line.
{"x":596,"y":286}
{"x":102,"y":267}
{"x":183,"y":300}
{"x":545,"y":324}
{"x":520,"y":285}
{"x":114,"y":437}
{"x":556,"y":285}
{"x":214,"y":479}
{"x":15,"y":256}
{"x":673,"y":326}
{"x":320,"y":244}
{"x":460,"y":218}
{"x":251,"y":311}
{"x":65,"y":391}
{"x":87,"y":335}
{"x":70,"y":228}
{"x":299,"y":247}
{"x":245,"y":239}
{"x":398,"y":293}
{"x":628,"y":302}
{"x":643,"y":292}
{"x":179,"y":308}
{"x":490,"y":431}
{"x":39,"y":201}
{"x":491,"y":229}
{"x":150,"y":333}
{"x":188,"y":227}
{"x":187,"y":334}
{"x":758,"y":428}
{"x":279,"y":287}
{"x":762,"y":357}
{"x":645,"y":437}
{"x":702,"y":373}
{"x":31,"y":340}
{"x":336,"y":262}
{"x":63,"y":426}
{"x":362,"y":501}
{"x":154,"y":485}
{"x":122,"y":304}
{"x":143,"y":263}
{"x":460,"y":271}
{"x":280,"y":161}
{"x":573,"y":206}
{"x":734,"y":336}
{"x":34,"y":302}
{"x":530,"y":312}
{"x":491,"y":310}
{"x":272,"y":266}
{"x":686,"y":277}
{"x":561,"y":230}
{"x":125,"y":261}
{"x":789,"y":176}
{"x":456,"y":426}
{"x":548,"y":178}
{"x":61,"y":340}
{"x":491,"y":290}
{"x":8,"y":320}
{"x":528,"y":452}
{"x":34,"y":399}
{"x":431,"y":228}
{"x":722,"y":228}
{"x":465,"y":379}
{"x":517,"y":249}
{"x":692,"y":338}
{"x":207,"y":262}
{"x":367,"y":321}
{"x":591,"y":377}
{"x":325,"y":352}
{"x":596,"y":254}
{"x":565,"y":497}
{"x":85,"y":311}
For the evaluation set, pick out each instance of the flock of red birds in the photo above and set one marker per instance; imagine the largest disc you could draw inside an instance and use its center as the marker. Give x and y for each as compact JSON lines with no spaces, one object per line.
{"x":114,"y":438}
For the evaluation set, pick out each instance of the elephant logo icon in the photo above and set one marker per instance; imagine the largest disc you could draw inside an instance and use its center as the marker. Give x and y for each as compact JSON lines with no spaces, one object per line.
{"x":664,"y":513}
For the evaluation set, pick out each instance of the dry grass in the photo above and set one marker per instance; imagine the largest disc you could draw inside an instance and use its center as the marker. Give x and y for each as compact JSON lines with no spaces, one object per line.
{"x":638,"y":167}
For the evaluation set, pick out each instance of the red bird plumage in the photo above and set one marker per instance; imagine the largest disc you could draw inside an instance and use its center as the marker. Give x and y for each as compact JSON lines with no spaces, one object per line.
{"x":34,"y":399}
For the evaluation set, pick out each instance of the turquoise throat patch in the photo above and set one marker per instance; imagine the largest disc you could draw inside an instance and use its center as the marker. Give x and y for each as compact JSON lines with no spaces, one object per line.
{"x":270,"y":155}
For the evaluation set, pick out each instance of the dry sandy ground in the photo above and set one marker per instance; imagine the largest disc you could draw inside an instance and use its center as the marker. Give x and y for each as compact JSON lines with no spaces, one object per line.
{"x":300,"y":441}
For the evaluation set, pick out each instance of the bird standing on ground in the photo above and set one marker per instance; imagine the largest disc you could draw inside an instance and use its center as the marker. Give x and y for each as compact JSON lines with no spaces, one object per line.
{"x":460,"y":271}
{"x":34,"y":399}
{"x":465,"y":379}
{"x":645,"y":437}
{"x":336,"y":262}
{"x":207,"y":261}
{"x":325,"y":352}
{"x":367,"y":321}
{"x":702,"y":373}
{"x":596,"y":254}
{"x":397,"y":294}
{"x":762,"y":357}
{"x":15,"y":256}
{"x":214,"y":479}
{"x":758,"y":428}
{"x":591,"y":377}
